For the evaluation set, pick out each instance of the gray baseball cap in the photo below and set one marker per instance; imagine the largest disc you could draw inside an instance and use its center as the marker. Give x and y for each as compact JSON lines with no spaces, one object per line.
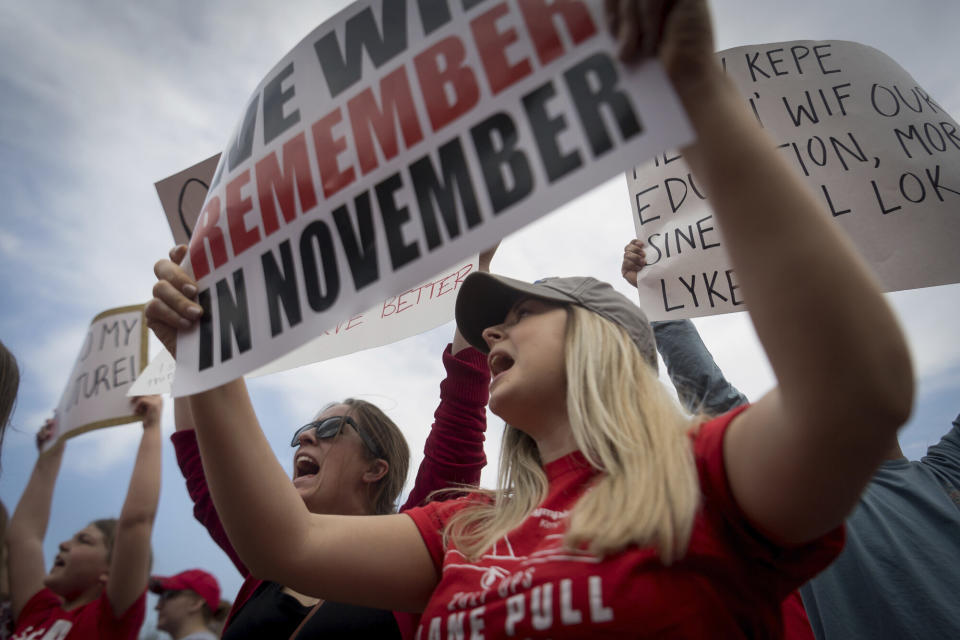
{"x":485,"y":299}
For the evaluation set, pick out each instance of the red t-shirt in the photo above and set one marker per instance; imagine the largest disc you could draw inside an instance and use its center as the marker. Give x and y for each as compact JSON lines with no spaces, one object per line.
{"x":729,"y":584}
{"x":43,"y":618}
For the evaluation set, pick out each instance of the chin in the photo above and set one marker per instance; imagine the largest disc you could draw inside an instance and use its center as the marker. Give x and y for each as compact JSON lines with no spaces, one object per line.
{"x":504,"y":409}
{"x":304,"y":493}
{"x":54,"y":584}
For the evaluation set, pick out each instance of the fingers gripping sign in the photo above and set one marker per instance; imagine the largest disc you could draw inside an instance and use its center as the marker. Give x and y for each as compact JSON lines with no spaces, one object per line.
{"x":149,"y":408}
{"x":174,"y":305}
{"x":634,"y":259}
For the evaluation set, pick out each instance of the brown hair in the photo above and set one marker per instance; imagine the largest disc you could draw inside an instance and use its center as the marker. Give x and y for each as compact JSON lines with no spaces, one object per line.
{"x":9,"y":383}
{"x":108,"y":527}
{"x":214,"y":620}
{"x":389,"y":439}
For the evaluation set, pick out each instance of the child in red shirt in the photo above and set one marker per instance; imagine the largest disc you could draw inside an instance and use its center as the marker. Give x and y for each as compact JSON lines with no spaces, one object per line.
{"x":96,"y":588}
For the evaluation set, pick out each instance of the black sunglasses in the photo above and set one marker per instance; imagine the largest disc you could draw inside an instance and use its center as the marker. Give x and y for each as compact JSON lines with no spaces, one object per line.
{"x":330,"y":428}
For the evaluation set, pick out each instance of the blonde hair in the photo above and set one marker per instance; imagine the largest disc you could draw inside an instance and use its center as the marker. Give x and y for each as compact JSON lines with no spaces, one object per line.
{"x":630,"y":430}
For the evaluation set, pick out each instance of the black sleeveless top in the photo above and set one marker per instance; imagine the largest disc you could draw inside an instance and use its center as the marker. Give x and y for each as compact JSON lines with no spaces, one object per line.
{"x":272,"y":614}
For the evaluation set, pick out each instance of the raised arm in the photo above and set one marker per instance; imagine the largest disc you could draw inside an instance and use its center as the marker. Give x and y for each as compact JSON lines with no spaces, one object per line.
{"x":944,"y":459}
{"x":799,"y":458}
{"x":130,"y":561}
{"x":453,"y":453}
{"x":188,"y":458}
{"x":28,"y":525}
{"x":377,"y":561}
{"x":701,"y":385}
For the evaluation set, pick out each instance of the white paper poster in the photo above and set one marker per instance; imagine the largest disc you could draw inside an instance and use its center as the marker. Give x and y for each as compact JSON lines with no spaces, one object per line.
{"x":113,"y":353}
{"x":396,"y":139}
{"x":880,"y":154}
{"x":414,"y":311}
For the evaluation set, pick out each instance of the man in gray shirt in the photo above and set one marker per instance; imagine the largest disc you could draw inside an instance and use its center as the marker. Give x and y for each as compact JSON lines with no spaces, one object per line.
{"x":899,"y":574}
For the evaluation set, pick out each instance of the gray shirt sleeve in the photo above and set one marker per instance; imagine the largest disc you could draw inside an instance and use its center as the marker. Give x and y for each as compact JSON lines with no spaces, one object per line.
{"x":700,"y":383}
{"x":944,"y":459}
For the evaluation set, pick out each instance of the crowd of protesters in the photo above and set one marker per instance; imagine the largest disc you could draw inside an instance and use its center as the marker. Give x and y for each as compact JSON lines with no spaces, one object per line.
{"x":617,"y":512}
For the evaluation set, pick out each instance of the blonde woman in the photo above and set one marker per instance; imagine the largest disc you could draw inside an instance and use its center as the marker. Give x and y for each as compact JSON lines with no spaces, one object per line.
{"x":615,"y":515}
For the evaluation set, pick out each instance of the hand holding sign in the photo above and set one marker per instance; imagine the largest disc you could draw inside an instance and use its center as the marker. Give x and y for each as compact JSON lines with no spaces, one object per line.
{"x":634,"y":259}
{"x":46,"y":434}
{"x":681,"y":37}
{"x":172,"y":307}
{"x":149,"y":408}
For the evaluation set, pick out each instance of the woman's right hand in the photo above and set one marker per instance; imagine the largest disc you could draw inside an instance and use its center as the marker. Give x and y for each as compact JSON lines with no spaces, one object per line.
{"x":679,"y":32}
{"x":174,"y":305}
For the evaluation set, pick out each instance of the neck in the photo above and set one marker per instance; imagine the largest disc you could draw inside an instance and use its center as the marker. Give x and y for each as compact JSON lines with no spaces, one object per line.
{"x":894,"y":452}
{"x":555,"y":443}
{"x":188,"y":626}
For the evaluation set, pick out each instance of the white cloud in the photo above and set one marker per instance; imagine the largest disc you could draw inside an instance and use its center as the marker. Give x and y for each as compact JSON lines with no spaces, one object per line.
{"x":9,"y":243}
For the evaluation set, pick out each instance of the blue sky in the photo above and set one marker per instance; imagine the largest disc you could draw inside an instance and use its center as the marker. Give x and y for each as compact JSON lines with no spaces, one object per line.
{"x":99,"y":100}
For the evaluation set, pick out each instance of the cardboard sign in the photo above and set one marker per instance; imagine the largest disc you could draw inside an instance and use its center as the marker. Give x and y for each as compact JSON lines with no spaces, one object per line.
{"x":113,"y":354}
{"x":396,"y":139}
{"x":878,"y":151}
{"x":182,"y":196}
{"x":414,"y":311}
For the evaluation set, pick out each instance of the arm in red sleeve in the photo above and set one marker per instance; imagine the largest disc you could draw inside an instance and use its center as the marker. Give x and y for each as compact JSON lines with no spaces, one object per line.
{"x":453,"y":453}
{"x":188,"y":457}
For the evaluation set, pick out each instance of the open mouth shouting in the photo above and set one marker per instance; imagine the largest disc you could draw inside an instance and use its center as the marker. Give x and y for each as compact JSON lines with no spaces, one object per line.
{"x":305,"y":467}
{"x":499,"y":362}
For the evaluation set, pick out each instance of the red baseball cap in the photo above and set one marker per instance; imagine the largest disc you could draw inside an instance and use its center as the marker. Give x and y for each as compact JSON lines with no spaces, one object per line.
{"x":196,"y":580}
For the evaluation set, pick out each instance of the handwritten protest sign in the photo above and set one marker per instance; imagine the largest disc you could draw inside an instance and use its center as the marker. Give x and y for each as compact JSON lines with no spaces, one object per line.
{"x":182,"y":196}
{"x":395,"y":139}
{"x":880,"y":154}
{"x":156,"y":378}
{"x":113,"y":353}
{"x":414,"y":311}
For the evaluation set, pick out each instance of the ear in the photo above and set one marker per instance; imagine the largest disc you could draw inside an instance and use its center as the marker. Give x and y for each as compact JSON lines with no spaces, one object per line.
{"x":103,"y":578}
{"x":377,"y":469}
{"x":196,"y":603}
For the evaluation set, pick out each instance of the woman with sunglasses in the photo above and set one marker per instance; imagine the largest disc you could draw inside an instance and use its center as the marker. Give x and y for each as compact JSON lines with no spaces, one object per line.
{"x":616,"y":514}
{"x":351,"y":459}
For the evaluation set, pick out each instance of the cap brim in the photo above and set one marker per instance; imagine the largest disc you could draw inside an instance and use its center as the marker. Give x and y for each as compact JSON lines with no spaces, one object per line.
{"x":485,"y":299}
{"x":157,"y":584}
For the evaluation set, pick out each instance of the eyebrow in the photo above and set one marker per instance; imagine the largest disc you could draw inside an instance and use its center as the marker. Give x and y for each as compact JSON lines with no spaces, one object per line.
{"x":519,"y":303}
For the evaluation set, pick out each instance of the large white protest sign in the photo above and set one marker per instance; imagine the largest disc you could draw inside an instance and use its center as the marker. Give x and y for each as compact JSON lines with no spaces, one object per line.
{"x":414,"y":311}
{"x":395,"y":139}
{"x":113,"y":353}
{"x":182,"y":196}
{"x":879,"y":153}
